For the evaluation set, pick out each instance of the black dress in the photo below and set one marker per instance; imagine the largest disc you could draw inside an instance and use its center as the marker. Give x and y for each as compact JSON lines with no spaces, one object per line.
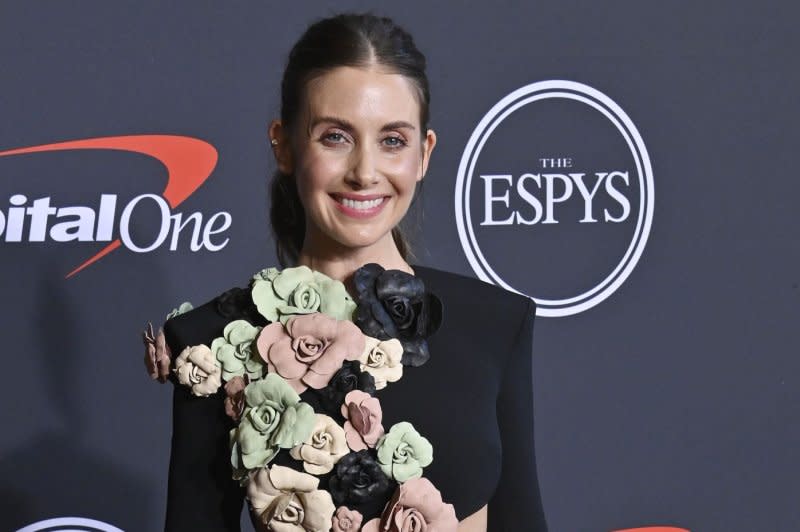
{"x":472,"y":400}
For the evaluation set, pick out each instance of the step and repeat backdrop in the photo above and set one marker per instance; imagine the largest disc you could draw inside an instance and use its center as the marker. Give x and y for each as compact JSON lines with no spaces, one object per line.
{"x":629,"y":165}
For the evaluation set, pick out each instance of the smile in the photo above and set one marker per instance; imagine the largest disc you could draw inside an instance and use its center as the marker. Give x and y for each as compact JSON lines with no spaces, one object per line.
{"x":360,"y":208}
{"x":360,"y":205}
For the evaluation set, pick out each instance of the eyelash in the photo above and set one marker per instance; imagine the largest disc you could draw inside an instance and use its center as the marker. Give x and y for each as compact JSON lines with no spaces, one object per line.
{"x":329,"y":137}
{"x":401,"y":143}
{"x":397,"y":141}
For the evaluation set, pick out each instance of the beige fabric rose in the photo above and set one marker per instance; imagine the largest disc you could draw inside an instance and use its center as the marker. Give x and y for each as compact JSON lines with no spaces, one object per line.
{"x":325,"y":446}
{"x":197,"y":368}
{"x":381,"y":359}
{"x":416,"y":506}
{"x":285,"y":500}
{"x":347,"y":520}
{"x":363,"y":416}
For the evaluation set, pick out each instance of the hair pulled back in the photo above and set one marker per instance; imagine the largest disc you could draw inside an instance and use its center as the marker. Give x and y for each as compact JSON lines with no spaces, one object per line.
{"x":354,"y":40}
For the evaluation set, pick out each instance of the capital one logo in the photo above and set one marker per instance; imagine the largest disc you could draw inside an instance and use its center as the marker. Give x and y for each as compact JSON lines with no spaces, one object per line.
{"x":188,"y":161}
{"x":554,"y":196}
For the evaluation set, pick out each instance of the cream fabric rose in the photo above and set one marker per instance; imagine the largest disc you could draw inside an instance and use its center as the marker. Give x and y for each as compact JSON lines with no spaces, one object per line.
{"x":347,"y":520}
{"x":416,"y":506}
{"x":381,"y":359}
{"x":323,"y":448}
{"x":363,"y":415}
{"x":285,"y":500}
{"x":197,"y":368}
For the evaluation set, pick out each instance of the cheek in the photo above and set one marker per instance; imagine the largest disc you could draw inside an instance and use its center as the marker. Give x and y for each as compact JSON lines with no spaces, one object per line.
{"x":317,"y":174}
{"x":406,"y":171}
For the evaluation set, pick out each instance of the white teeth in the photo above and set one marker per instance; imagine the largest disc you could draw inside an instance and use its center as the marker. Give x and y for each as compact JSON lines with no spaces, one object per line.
{"x":360,"y":205}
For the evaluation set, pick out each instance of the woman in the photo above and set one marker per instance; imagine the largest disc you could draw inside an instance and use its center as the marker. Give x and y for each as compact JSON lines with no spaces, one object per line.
{"x":351,"y":145}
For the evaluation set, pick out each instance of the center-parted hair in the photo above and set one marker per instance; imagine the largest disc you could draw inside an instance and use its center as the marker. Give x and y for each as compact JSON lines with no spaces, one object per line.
{"x":354,"y":40}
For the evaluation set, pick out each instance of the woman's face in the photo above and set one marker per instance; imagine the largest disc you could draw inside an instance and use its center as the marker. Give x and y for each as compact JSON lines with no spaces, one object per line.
{"x":357,"y":152}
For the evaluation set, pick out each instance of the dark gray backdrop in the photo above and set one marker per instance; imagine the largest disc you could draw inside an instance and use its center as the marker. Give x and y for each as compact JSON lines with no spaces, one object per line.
{"x":675,"y":401}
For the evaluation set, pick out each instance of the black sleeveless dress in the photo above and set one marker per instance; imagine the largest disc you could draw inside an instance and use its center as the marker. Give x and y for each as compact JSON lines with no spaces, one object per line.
{"x":472,"y":400}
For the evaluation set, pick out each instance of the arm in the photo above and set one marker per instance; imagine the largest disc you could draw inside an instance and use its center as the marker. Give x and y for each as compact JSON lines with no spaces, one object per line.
{"x":516,"y":504}
{"x":201,"y":494}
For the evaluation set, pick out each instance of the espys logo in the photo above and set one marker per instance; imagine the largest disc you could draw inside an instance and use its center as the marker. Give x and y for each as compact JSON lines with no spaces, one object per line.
{"x":554,"y":196}
{"x":188,"y":161}
{"x":70,"y":524}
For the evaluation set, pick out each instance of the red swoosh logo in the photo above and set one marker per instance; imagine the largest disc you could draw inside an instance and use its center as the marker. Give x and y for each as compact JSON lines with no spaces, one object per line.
{"x":189,"y":162}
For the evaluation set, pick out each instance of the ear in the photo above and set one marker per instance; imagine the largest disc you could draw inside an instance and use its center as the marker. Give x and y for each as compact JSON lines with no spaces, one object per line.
{"x":427,"y":148}
{"x":279,"y":142}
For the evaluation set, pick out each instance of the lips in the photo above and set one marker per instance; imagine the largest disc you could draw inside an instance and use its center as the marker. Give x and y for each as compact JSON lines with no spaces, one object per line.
{"x":360,"y":206}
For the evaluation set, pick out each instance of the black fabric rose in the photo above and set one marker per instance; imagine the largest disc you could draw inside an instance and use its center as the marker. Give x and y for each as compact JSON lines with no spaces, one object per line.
{"x":359,"y":483}
{"x":395,"y":304}
{"x":331,"y":398}
{"x":236,"y":304}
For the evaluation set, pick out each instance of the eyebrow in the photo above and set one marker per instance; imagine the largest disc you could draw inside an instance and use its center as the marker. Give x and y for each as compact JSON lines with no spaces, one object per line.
{"x":344,"y":124}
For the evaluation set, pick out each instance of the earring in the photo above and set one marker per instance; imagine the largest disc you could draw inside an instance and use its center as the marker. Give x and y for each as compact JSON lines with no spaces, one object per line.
{"x":274,"y":142}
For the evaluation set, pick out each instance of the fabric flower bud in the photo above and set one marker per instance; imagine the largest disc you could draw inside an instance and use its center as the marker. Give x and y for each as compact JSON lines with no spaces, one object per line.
{"x":234,"y":397}
{"x":346,"y":520}
{"x":363,"y":416}
{"x":183,"y":308}
{"x":157,"y":355}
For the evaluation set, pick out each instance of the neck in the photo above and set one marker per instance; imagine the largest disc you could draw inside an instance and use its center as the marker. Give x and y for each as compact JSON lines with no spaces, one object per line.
{"x":339,"y":262}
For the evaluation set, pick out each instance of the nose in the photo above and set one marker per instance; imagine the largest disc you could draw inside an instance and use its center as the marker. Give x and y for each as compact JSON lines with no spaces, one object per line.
{"x":363,"y":167}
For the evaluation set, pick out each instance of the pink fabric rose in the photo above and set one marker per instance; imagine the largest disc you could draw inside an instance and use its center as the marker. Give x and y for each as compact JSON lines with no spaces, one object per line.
{"x":309,"y":349}
{"x":234,"y":397}
{"x":346,"y":520}
{"x":416,"y":506}
{"x":157,"y":356}
{"x":363,"y":416}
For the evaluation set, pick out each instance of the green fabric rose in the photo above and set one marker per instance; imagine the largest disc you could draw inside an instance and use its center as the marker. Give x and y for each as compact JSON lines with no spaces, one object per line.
{"x":403,"y":452}
{"x":280,"y":295}
{"x":274,"y":418}
{"x":181,"y":309}
{"x":233,"y":351}
{"x":267,"y":274}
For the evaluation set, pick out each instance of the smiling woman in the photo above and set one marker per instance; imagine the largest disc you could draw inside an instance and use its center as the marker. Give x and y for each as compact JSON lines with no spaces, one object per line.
{"x":362,"y":393}
{"x":356,"y":155}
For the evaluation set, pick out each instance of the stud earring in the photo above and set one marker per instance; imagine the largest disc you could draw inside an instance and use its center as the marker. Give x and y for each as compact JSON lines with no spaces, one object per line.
{"x":274,"y":142}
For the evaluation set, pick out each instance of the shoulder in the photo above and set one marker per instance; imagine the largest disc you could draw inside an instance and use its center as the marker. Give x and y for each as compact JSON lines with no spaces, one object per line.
{"x":478,"y":316}
{"x":207,"y":321}
{"x":456,"y":289}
